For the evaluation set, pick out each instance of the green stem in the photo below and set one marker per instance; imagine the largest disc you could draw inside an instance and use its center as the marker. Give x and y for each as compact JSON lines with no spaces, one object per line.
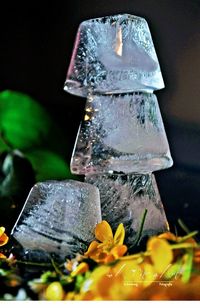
{"x":183,"y":226}
{"x":135,"y":256}
{"x":34,"y":263}
{"x":148,"y":253}
{"x":58,"y":271}
{"x":183,"y":245}
{"x":192,"y":234}
{"x":139,"y":234}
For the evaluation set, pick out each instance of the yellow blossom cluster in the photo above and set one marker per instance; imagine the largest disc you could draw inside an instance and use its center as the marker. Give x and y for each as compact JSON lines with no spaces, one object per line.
{"x":169,"y":269}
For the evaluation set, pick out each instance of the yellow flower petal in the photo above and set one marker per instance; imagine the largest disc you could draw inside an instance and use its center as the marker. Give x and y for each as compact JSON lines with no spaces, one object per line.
{"x":2,"y":230}
{"x":108,"y":259}
{"x":148,"y":274}
{"x":101,"y":281}
{"x":92,"y":249}
{"x":91,"y":283}
{"x":80,"y":269}
{"x":70,"y":296}
{"x":54,"y":292}
{"x":100,"y":257}
{"x":168,"y":236}
{"x":115,"y":253}
{"x":130,"y":271}
{"x":3,"y":239}
{"x":2,"y":256}
{"x":197,"y":256}
{"x":161,"y":253}
{"x":103,"y":231}
{"x":119,"y":251}
{"x":119,"y":235}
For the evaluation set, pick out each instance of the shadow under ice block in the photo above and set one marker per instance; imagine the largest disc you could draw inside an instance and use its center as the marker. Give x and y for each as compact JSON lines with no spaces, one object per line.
{"x":113,"y":54}
{"x":121,"y":133}
{"x":59,"y":217}
{"x":124,"y":199}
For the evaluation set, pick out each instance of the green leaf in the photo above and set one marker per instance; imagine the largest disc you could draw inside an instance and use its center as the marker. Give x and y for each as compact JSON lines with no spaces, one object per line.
{"x":48,"y":277}
{"x":79,"y":282}
{"x":23,"y":122}
{"x":187,"y":268}
{"x":48,"y":165}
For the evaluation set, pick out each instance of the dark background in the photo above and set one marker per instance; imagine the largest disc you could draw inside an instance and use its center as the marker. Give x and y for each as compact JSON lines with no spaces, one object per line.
{"x":36,"y":42}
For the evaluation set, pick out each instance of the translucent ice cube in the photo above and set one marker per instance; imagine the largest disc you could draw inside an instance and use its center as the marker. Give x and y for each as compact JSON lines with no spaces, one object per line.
{"x":59,"y":218}
{"x":121,"y":133}
{"x":124,"y":199}
{"x":113,"y":54}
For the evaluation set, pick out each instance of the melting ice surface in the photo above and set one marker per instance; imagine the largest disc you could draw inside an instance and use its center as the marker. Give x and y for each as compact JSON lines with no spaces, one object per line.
{"x":124,"y":199}
{"x":58,"y":217}
{"x":113,"y":54}
{"x":122,"y":133}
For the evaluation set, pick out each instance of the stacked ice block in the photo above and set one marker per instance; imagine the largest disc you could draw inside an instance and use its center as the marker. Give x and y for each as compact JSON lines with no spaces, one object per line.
{"x":121,"y":139}
{"x":57,"y":220}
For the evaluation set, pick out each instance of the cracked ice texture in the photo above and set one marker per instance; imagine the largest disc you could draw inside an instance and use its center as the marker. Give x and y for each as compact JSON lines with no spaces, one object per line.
{"x":113,"y":54}
{"x":124,"y":199}
{"x":121,"y":133}
{"x":59,"y":218}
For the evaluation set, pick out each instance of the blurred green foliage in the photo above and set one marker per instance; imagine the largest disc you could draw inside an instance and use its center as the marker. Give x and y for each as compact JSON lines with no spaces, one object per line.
{"x":51,"y":165}
{"x":32,"y":149}
{"x":23,"y":122}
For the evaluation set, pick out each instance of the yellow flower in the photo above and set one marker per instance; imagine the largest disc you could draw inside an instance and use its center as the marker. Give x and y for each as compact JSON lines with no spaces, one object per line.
{"x":54,"y":292}
{"x":3,"y":237}
{"x":3,"y":240}
{"x":99,"y":284}
{"x":109,"y":247}
{"x":112,"y":282}
{"x":80,"y":269}
{"x":160,"y":253}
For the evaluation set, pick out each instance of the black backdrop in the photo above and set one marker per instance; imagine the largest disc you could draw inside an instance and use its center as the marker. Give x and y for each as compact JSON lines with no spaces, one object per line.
{"x":36,"y":41}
